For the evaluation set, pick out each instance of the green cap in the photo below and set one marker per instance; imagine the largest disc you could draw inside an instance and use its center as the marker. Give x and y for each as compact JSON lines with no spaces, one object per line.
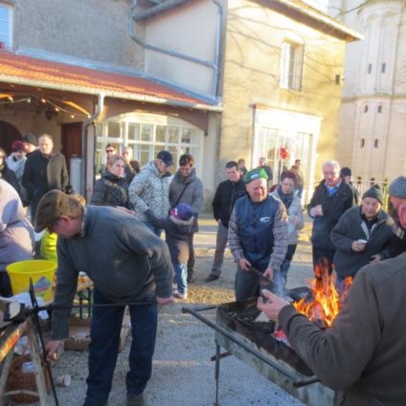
{"x":254,"y":174}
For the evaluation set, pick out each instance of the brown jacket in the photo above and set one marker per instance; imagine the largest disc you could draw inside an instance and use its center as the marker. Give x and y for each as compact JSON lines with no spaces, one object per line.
{"x":363,"y":355}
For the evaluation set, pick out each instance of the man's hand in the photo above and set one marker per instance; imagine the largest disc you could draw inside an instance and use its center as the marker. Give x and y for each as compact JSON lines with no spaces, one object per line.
{"x":375,"y":258}
{"x":271,"y":304}
{"x":268,"y":273}
{"x":244,"y":264}
{"x":165,"y":300}
{"x":316,"y":211}
{"x":51,"y":347}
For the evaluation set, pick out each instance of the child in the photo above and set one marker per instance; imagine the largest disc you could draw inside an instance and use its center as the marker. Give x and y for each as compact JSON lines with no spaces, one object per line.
{"x":177,"y":228}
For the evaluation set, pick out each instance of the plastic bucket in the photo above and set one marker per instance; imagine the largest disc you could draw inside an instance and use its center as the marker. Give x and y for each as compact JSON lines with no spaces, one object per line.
{"x":40,"y":271}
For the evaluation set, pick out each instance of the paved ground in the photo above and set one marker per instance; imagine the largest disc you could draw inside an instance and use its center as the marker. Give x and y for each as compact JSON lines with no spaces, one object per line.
{"x":183,"y":374}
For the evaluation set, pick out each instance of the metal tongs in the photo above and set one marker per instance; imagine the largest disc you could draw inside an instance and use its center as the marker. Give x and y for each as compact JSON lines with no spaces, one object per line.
{"x":268,"y":281}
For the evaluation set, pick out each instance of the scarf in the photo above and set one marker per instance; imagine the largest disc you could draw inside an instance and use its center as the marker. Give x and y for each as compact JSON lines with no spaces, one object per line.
{"x":287,"y":199}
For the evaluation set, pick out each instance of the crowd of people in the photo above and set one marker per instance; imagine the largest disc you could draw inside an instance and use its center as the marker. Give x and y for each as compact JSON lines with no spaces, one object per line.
{"x":120,"y":231}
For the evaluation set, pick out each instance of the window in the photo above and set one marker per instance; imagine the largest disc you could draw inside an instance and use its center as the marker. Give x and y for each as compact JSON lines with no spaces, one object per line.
{"x":376,"y":143}
{"x":362,"y":143}
{"x":6,"y":27}
{"x":379,"y":108}
{"x":291,"y":65}
{"x":365,"y":108}
{"x":369,"y":68}
{"x":383,"y":70}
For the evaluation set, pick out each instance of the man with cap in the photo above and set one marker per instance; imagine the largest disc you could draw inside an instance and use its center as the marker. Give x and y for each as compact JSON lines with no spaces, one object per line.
{"x":346,"y":176}
{"x":128,"y":264}
{"x":364,"y":234}
{"x":149,"y":190}
{"x":331,"y":198}
{"x":257,"y":235}
{"x":362,"y":356}
{"x":397,"y":197}
{"x":30,"y":142}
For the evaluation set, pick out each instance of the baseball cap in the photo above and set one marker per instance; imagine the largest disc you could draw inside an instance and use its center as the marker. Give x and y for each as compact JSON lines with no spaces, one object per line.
{"x":254,"y":174}
{"x":165,"y":157}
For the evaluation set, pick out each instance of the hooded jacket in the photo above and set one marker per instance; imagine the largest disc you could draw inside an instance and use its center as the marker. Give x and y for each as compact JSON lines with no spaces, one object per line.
{"x":150,"y":190}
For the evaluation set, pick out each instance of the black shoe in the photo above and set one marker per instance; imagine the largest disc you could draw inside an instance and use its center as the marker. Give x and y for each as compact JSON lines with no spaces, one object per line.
{"x":190,"y":275}
{"x":135,"y":400}
{"x":212,"y":277}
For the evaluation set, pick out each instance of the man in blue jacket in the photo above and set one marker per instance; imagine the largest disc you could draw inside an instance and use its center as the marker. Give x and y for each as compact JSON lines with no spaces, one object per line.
{"x":128,"y":264}
{"x":257,"y":235}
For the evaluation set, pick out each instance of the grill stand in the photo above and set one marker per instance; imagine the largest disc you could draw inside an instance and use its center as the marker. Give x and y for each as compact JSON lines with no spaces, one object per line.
{"x":307,"y":389}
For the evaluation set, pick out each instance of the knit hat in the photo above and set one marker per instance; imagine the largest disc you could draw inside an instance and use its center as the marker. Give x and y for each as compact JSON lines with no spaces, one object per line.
{"x":398,"y":187}
{"x":165,"y":157}
{"x":17,"y":146}
{"x":345,"y":172}
{"x":375,"y":192}
{"x":30,"y":139}
{"x":254,"y":174}
{"x":182,"y":211}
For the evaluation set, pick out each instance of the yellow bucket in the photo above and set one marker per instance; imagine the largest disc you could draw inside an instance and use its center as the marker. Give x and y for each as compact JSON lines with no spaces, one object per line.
{"x":40,"y":271}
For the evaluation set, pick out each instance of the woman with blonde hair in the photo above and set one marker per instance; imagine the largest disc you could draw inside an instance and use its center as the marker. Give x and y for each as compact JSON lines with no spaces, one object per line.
{"x":112,"y":188}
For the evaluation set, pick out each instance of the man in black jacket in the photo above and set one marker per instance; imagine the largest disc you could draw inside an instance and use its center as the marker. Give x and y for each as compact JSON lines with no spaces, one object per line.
{"x":331,"y":198}
{"x":226,"y":194}
{"x":44,"y":170}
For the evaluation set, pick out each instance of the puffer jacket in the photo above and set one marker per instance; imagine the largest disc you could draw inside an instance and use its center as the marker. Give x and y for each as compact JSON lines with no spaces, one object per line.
{"x":150,"y":190}
{"x":111,"y":190}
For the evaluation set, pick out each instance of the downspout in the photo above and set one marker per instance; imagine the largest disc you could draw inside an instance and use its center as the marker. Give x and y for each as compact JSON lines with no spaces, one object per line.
{"x":213,"y":65}
{"x":85,"y":125}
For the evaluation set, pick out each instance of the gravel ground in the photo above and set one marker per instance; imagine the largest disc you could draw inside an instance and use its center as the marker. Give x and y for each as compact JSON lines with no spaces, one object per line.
{"x":183,"y":373}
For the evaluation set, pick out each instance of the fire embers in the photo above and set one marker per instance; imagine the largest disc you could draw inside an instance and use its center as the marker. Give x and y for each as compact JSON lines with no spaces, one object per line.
{"x":326,"y":300}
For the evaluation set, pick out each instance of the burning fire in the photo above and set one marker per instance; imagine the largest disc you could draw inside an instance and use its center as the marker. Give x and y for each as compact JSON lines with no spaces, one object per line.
{"x":326,"y":302}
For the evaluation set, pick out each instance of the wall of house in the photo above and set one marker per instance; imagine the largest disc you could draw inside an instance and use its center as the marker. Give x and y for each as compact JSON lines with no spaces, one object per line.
{"x":192,"y":30}
{"x":252,"y":76}
{"x":373,"y":93}
{"x":95,"y":30}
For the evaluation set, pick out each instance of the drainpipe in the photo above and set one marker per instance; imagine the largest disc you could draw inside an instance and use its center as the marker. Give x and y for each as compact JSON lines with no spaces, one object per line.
{"x":85,"y":125}
{"x":166,"y":6}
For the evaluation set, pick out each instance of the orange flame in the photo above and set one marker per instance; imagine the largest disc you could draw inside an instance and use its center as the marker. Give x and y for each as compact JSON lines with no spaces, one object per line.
{"x":326,"y":302}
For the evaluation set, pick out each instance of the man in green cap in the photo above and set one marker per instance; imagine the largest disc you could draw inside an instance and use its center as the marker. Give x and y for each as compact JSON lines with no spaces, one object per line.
{"x":257,"y":235}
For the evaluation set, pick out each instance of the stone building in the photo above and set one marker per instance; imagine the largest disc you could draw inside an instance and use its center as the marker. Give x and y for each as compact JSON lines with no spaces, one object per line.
{"x":219,"y":79}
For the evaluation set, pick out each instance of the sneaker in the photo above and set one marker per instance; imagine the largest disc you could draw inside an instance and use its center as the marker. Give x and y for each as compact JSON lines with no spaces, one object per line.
{"x":180,"y":296}
{"x":212,"y":277}
{"x":135,"y":400}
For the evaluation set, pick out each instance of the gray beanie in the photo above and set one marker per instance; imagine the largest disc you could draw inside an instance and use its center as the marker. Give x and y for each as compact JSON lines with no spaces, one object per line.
{"x":398,"y":187}
{"x":375,"y":192}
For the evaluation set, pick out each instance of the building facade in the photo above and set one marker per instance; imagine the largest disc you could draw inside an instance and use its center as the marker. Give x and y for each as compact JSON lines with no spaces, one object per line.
{"x":373,"y":108}
{"x":222,"y":80}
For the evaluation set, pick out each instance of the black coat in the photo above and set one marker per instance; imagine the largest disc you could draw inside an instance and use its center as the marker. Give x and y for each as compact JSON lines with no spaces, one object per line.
{"x":111,"y":190}
{"x":43,"y":173}
{"x":10,"y":177}
{"x":227,"y":193}
{"x":349,"y":229}
{"x":333,"y":208}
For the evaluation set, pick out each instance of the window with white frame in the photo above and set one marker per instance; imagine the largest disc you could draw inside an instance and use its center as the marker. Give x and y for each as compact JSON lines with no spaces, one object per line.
{"x":148,"y":134}
{"x":291,"y":65}
{"x":6,"y":26}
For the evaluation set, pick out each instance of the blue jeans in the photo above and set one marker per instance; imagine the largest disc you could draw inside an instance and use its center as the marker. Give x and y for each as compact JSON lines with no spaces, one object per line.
{"x":103,"y":349}
{"x":181,"y":277}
